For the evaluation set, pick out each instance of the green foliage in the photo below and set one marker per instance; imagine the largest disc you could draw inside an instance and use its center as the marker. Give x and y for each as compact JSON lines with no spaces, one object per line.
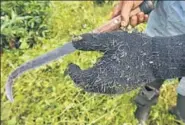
{"x":23,"y":22}
{"x":45,"y":96}
{"x":73,"y":18}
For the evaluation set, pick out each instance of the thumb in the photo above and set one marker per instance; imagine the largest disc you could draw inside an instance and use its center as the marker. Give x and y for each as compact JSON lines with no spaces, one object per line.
{"x":127,"y":7}
{"x":125,"y":12}
{"x":117,"y":9}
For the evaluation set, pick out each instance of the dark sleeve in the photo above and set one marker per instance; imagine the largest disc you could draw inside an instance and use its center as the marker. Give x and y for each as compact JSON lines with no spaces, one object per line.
{"x":168,"y":56}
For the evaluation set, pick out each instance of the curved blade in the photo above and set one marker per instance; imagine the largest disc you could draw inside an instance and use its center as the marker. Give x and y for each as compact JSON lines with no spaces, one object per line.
{"x":43,"y":59}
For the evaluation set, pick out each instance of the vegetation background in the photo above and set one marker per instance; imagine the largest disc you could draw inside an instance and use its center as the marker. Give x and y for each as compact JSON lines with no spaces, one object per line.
{"x":44,"y":96}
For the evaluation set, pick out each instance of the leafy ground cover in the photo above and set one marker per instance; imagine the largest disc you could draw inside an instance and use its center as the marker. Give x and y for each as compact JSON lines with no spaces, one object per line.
{"x":23,"y":23}
{"x":45,"y":96}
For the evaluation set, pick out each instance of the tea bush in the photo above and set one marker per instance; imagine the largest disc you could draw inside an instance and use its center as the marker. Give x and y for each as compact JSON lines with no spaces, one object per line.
{"x":23,"y":23}
{"x":45,"y":96}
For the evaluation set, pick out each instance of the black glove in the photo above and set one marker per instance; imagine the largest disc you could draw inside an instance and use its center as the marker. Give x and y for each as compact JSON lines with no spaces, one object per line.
{"x":129,"y":61}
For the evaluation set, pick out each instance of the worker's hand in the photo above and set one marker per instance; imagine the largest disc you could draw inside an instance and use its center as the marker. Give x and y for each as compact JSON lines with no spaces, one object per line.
{"x":129,"y":13}
{"x":123,"y":66}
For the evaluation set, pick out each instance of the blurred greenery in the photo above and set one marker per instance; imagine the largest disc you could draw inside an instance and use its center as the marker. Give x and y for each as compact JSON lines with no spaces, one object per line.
{"x":23,"y":23}
{"x":45,"y":96}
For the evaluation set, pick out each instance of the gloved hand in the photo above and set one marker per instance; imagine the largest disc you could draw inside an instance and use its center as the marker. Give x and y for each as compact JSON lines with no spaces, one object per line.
{"x":129,"y":61}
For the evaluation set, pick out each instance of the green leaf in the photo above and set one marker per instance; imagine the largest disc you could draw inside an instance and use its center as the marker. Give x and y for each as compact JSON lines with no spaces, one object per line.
{"x":24,"y":44}
{"x":12,"y":121}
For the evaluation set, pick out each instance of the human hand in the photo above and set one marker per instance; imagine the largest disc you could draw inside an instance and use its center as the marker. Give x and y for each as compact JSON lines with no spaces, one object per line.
{"x":130,"y":12}
{"x":126,"y":63}
{"x":122,"y":67}
{"x":137,"y":16}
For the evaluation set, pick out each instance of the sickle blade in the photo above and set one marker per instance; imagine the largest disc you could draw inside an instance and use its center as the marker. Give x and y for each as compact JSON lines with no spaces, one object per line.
{"x":43,"y":59}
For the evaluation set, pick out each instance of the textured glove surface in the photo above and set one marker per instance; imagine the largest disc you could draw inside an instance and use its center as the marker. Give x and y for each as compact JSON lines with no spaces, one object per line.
{"x":168,"y":55}
{"x":129,"y":61}
{"x":123,"y":67}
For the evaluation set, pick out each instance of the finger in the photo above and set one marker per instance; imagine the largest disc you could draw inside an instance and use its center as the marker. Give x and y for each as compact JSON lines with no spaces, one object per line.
{"x":94,"y":42}
{"x":83,"y":78}
{"x":137,"y":3}
{"x":140,"y":17}
{"x":125,"y":12}
{"x":74,"y":72}
{"x":135,"y":11}
{"x":94,"y":80}
{"x":117,"y":9}
{"x":134,"y":21}
{"x":146,"y":17}
{"x":146,"y":7}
